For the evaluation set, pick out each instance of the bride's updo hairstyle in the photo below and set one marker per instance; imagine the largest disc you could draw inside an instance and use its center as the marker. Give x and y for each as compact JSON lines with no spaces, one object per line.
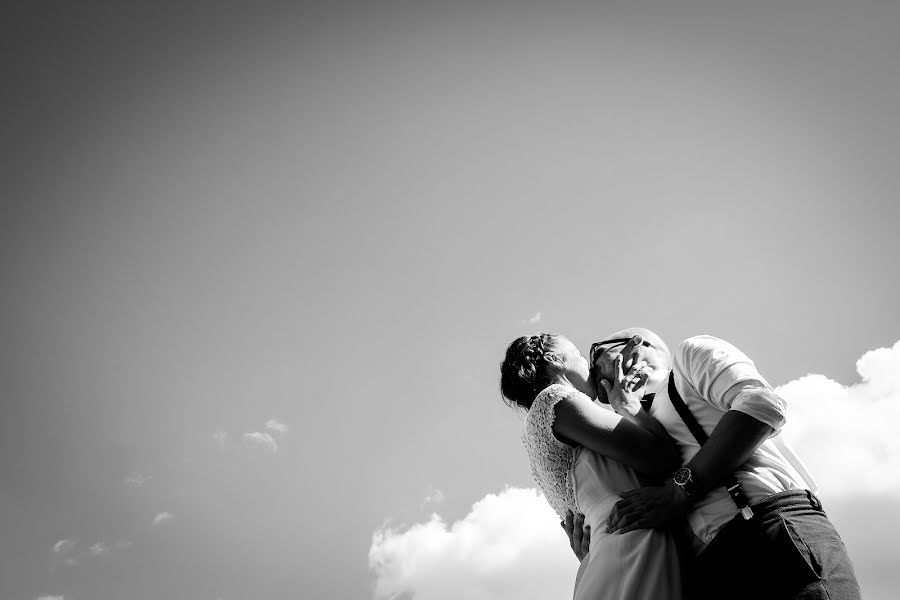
{"x":523,"y":373}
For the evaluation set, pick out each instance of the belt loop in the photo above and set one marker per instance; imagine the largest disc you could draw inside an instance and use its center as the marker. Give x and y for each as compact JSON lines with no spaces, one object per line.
{"x":813,"y":500}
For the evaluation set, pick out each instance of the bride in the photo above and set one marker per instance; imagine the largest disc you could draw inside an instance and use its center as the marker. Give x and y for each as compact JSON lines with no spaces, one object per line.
{"x":584,"y":455}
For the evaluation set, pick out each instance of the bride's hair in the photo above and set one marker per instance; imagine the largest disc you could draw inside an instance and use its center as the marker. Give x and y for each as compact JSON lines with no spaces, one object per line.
{"x":523,"y":373}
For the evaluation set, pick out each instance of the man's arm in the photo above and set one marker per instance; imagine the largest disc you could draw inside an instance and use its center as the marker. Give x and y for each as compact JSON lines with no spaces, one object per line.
{"x":731,"y":443}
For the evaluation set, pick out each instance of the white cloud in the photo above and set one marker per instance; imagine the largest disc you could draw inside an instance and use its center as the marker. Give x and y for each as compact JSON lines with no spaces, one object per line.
{"x":510,"y":545}
{"x":264,"y":441}
{"x":162,"y":517}
{"x":274,"y":425}
{"x":50,"y":598}
{"x":220,"y":437}
{"x":66,"y":548}
{"x":534,"y":320}
{"x":435,"y":496}
{"x":137,"y":479}
{"x":847,"y":435}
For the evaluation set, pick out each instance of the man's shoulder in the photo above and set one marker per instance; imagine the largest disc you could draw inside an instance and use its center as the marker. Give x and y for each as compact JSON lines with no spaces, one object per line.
{"x":702,"y":342}
{"x":704,"y":348}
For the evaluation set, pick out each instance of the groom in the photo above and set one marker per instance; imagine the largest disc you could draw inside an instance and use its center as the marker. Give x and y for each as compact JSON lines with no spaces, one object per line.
{"x":757,"y":529}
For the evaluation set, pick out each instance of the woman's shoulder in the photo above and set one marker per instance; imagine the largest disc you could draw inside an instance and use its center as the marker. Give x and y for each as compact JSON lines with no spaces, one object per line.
{"x":554,"y":393}
{"x":542,"y":413}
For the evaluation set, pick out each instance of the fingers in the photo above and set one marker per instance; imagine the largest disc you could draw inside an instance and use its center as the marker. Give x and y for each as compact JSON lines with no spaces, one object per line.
{"x":637,"y":524}
{"x":636,"y":377}
{"x":625,"y":520}
{"x":631,"y":493}
{"x":579,"y":535}
{"x":586,"y":542}
{"x":626,"y":511}
{"x":604,"y":391}
{"x":577,"y":532}
{"x":617,"y":365}
{"x":643,"y":377}
{"x":630,"y":350}
{"x":644,"y":508}
{"x":572,"y":528}
{"x":567,"y":524}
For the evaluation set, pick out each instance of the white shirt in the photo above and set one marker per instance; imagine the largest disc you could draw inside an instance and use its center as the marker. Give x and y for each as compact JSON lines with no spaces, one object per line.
{"x":705,"y":368}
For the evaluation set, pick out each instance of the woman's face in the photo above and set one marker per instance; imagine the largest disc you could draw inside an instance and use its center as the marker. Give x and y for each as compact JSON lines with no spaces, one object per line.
{"x":574,"y":367}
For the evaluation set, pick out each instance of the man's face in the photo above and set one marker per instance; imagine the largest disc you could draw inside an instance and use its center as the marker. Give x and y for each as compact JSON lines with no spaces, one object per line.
{"x":633,"y":350}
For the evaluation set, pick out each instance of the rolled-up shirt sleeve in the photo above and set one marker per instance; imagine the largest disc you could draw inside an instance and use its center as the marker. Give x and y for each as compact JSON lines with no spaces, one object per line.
{"x":763,"y":404}
{"x":727,"y":378}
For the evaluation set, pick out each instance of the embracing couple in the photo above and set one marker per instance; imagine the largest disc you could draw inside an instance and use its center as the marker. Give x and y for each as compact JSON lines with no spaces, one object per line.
{"x":669,"y":473}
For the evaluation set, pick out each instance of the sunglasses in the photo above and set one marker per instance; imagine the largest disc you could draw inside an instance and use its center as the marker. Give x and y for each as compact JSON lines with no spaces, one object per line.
{"x":597,"y":348}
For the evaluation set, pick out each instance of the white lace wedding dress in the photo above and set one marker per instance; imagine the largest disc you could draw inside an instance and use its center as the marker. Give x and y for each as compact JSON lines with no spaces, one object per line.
{"x":639,"y":565}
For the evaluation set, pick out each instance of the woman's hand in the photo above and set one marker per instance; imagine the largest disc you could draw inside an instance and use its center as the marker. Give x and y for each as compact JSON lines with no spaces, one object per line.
{"x":627,"y":389}
{"x":579,"y":535}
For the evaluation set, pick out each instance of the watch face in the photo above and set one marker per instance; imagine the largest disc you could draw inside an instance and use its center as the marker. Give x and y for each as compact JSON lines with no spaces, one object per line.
{"x":682,"y":476}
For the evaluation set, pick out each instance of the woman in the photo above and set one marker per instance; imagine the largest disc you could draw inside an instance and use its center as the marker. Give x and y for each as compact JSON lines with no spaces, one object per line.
{"x":584,"y":455}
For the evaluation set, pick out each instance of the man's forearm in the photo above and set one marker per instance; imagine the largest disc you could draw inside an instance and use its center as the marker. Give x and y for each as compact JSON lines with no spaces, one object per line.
{"x":731,"y":443}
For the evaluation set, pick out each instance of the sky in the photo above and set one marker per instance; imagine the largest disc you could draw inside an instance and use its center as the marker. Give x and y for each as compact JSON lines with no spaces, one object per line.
{"x":261,"y":261}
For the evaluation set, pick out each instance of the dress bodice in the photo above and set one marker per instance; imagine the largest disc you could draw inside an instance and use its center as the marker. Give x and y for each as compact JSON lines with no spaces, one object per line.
{"x":551,"y":460}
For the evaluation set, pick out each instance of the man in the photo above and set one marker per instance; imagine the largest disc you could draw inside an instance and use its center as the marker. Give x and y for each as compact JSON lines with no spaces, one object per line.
{"x":766,"y":536}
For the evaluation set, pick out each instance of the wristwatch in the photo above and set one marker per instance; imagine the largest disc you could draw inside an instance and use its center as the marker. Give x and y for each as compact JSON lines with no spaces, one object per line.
{"x":684,"y":479}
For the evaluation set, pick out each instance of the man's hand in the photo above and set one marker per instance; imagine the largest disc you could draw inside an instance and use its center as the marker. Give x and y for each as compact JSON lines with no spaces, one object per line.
{"x":579,"y":535}
{"x":649,"y":507}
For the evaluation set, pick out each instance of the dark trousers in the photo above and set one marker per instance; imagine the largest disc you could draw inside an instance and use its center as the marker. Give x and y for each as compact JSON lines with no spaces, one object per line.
{"x":788,"y":550}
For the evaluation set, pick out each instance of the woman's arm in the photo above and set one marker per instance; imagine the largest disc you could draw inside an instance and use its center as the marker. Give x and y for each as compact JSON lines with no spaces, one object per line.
{"x":625,"y":393}
{"x":580,"y":420}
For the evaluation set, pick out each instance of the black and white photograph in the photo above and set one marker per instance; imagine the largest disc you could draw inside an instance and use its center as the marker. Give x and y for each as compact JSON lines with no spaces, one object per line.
{"x":449,"y":300}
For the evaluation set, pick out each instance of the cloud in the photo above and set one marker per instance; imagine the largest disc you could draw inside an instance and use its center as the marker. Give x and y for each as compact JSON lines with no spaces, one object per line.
{"x":264,"y":441}
{"x":98,"y":549}
{"x":220,"y":437}
{"x":66,"y":547}
{"x":847,"y":435}
{"x":435,"y":496}
{"x":63,"y":546}
{"x":162,"y":517}
{"x":534,"y":320}
{"x":274,"y":425}
{"x":137,"y":479}
{"x":510,"y":545}
{"x":50,"y":598}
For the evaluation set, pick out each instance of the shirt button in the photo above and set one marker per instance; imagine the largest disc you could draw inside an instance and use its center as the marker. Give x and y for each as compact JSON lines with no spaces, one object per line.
{"x":709,"y":537}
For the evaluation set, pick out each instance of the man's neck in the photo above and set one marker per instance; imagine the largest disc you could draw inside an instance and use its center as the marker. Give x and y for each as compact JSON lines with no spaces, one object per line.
{"x":657,"y":382}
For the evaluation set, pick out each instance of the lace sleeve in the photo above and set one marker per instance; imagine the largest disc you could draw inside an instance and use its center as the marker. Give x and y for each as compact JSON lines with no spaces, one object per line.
{"x":551,"y":460}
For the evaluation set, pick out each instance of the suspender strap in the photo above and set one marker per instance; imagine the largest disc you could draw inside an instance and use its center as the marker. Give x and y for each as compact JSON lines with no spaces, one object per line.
{"x":685,"y":414}
{"x":731,"y":483}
